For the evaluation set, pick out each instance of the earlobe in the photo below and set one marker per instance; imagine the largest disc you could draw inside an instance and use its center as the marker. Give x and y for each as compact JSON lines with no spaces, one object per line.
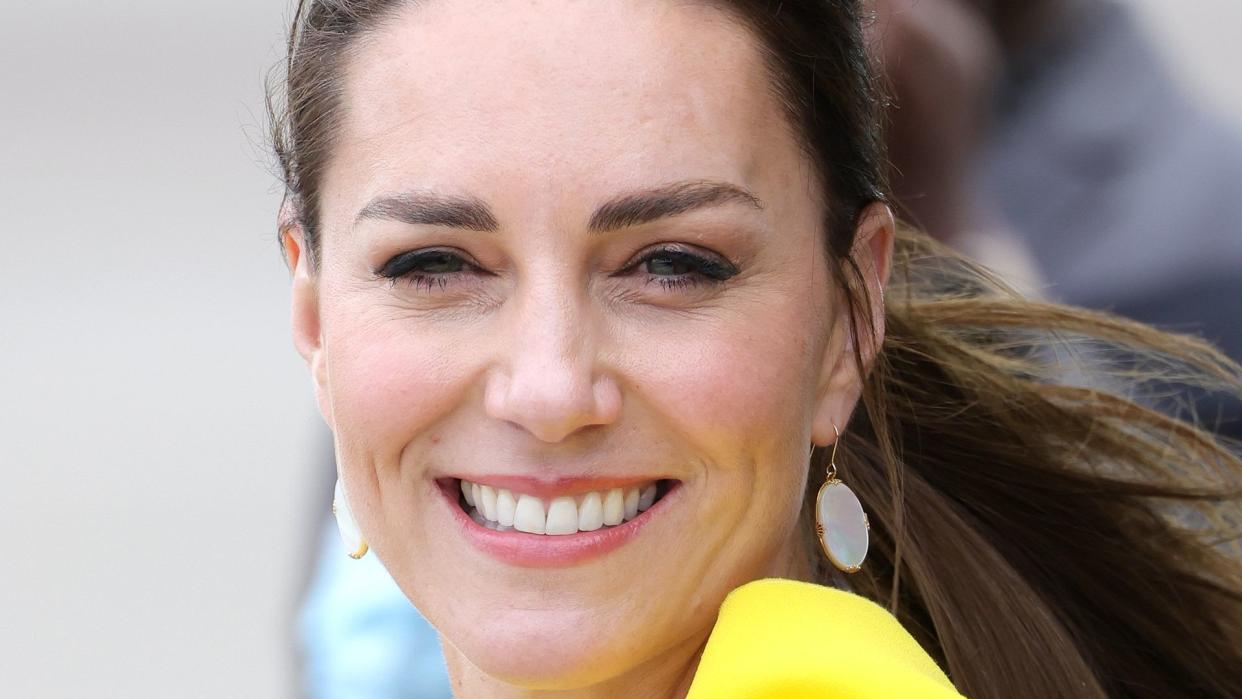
{"x":842,"y":385}
{"x":304,"y":317}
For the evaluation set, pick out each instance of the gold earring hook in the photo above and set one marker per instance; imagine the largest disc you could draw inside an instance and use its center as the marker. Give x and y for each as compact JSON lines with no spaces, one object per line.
{"x":832,"y":460}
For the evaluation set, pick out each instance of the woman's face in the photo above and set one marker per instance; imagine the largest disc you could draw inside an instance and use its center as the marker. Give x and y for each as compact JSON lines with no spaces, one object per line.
{"x":570,"y":249}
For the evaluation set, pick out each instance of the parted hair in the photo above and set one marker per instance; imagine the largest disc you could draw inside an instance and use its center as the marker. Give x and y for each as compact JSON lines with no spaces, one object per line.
{"x":1039,"y":522}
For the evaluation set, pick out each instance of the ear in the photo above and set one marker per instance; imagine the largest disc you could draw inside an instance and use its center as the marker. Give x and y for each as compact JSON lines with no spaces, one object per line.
{"x":305,"y":320}
{"x":841,"y":382}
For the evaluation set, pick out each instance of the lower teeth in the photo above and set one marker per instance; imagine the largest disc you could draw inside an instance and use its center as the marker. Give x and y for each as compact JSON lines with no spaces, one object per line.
{"x":478,"y":517}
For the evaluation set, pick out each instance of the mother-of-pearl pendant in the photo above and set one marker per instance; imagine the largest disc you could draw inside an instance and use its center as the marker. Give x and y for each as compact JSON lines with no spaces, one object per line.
{"x":355,"y":546}
{"x":842,"y":525}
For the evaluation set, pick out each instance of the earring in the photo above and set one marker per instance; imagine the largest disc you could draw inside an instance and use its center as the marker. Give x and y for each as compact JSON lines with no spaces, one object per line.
{"x":354,"y":543}
{"x":840,"y":522}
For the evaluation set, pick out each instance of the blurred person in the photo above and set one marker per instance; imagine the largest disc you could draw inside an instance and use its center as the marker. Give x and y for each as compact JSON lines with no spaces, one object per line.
{"x":575,"y":312}
{"x":1046,"y":138}
{"x":360,"y":637}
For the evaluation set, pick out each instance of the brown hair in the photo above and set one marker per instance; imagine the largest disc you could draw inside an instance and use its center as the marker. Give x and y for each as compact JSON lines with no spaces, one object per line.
{"x":1042,"y":534}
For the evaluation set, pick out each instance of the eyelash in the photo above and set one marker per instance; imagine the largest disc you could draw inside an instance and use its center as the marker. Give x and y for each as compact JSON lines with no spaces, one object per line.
{"x":404,"y":267}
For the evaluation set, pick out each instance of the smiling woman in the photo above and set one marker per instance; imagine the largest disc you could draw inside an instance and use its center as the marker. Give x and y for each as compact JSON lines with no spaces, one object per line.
{"x":579,"y":284}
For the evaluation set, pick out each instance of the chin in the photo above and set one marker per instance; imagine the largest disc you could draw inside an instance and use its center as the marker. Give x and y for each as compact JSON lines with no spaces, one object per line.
{"x":547,"y":650}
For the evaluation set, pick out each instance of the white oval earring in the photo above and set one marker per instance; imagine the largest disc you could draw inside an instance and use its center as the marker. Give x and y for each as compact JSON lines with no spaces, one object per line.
{"x":840,"y":523}
{"x":355,"y":546}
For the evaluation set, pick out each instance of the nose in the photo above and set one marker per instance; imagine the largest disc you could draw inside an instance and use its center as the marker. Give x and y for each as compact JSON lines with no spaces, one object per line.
{"x":548,"y":379}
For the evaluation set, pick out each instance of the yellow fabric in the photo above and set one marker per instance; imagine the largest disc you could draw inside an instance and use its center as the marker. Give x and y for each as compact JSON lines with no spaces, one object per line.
{"x":782,"y":639}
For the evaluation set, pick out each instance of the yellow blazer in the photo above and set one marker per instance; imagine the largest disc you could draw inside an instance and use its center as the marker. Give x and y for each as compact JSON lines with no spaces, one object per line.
{"x":782,"y":639}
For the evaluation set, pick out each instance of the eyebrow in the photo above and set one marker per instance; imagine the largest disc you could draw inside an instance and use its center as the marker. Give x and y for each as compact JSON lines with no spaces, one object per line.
{"x":632,"y":209}
{"x":431,"y":209}
{"x":670,"y":200}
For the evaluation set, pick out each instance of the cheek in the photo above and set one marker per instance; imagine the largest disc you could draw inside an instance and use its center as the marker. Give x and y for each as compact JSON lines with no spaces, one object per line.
{"x":736,"y":393}
{"x":742,"y":383}
{"x":389,"y":381}
{"x":739,"y":391}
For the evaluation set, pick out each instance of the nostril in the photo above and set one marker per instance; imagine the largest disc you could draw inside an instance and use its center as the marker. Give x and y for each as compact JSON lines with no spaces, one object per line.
{"x":551,"y":399}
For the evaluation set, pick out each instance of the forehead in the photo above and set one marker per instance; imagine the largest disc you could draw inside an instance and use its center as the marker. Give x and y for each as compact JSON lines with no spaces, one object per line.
{"x":566,"y":96}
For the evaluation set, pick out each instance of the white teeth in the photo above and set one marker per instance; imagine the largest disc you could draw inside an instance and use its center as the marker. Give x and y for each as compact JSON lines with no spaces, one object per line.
{"x":502,"y":509}
{"x":562,"y":516}
{"x":647,"y":498}
{"x":505,"y":507}
{"x":529,"y":516}
{"x":614,"y":507}
{"x":590,"y":513}
{"x":631,"y":503}
{"x":489,"y":501}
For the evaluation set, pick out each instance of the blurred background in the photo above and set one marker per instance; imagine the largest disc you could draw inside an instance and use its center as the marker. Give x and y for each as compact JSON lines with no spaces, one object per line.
{"x":164,"y":468}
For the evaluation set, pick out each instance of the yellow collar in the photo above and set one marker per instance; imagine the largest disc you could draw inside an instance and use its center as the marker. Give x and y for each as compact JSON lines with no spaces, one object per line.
{"x":782,"y":639}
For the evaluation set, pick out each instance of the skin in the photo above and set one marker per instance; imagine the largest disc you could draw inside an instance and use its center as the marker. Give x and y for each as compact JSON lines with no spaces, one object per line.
{"x":551,"y":355}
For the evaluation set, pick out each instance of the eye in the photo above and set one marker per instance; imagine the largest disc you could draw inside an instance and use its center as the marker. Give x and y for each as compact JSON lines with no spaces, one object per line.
{"x":679,"y":267}
{"x":426,"y":268}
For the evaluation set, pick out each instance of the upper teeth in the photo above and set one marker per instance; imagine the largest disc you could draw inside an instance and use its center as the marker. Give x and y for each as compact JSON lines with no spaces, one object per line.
{"x":567,"y":514}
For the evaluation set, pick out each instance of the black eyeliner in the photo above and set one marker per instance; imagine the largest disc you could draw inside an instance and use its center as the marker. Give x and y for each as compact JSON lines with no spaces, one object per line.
{"x":709,"y":266}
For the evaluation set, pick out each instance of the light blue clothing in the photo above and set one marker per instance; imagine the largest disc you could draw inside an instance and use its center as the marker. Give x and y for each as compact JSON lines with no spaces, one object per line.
{"x":360,"y":637}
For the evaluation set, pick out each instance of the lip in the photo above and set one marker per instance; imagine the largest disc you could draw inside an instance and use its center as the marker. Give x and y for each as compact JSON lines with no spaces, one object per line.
{"x":541,"y":550}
